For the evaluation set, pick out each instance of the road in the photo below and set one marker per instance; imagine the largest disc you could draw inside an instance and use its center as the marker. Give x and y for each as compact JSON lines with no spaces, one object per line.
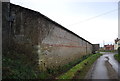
{"x":106,"y":67}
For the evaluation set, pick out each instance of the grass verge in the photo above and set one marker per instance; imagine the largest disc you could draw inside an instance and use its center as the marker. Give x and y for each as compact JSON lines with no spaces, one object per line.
{"x":107,"y":51}
{"x":66,"y":67}
{"x":79,"y":67}
{"x":117,"y":57}
{"x":16,"y":66}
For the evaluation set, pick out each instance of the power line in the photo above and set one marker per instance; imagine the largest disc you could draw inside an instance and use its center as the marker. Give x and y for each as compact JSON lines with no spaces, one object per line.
{"x":95,"y":17}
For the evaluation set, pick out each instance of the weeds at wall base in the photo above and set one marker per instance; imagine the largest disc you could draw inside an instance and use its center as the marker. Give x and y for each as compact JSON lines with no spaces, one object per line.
{"x":117,"y":57}
{"x":66,"y":67}
{"x":76,"y":70}
{"x":18,"y":67}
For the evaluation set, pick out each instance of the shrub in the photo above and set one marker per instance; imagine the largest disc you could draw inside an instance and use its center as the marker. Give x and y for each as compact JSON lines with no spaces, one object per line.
{"x":119,"y":50}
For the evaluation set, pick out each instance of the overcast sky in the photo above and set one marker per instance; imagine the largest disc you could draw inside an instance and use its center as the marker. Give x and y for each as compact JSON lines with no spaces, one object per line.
{"x":94,"y":20}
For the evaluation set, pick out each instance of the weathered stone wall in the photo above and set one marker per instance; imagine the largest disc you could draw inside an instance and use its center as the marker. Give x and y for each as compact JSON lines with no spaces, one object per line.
{"x":5,"y":27}
{"x":96,"y":48}
{"x":47,"y":43}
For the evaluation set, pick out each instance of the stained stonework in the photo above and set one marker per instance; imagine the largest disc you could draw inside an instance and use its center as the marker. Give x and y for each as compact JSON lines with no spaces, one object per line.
{"x":47,"y":43}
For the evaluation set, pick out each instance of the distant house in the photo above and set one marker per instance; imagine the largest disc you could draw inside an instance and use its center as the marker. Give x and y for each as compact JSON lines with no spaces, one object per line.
{"x":109,"y":47}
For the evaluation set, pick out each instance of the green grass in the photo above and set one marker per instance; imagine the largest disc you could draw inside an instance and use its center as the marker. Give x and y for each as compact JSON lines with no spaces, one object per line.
{"x":79,"y":67}
{"x":66,"y":67}
{"x":107,"y":51}
{"x":119,"y":50}
{"x":117,"y":57}
{"x":15,"y":69}
{"x":16,"y":66}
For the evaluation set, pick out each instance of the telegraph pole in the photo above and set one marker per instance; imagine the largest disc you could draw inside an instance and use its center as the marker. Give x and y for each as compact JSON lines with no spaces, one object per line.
{"x":103,"y":43}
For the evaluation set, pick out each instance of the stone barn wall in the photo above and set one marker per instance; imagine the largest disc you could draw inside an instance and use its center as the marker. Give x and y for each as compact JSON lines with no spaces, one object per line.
{"x":45,"y":42}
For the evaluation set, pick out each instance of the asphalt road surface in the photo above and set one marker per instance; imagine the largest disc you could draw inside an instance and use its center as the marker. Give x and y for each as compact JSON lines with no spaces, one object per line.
{"x":106,"y":67}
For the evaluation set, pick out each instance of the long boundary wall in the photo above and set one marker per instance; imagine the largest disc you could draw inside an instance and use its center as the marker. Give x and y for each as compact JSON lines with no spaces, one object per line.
{"x":45,"y":42}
